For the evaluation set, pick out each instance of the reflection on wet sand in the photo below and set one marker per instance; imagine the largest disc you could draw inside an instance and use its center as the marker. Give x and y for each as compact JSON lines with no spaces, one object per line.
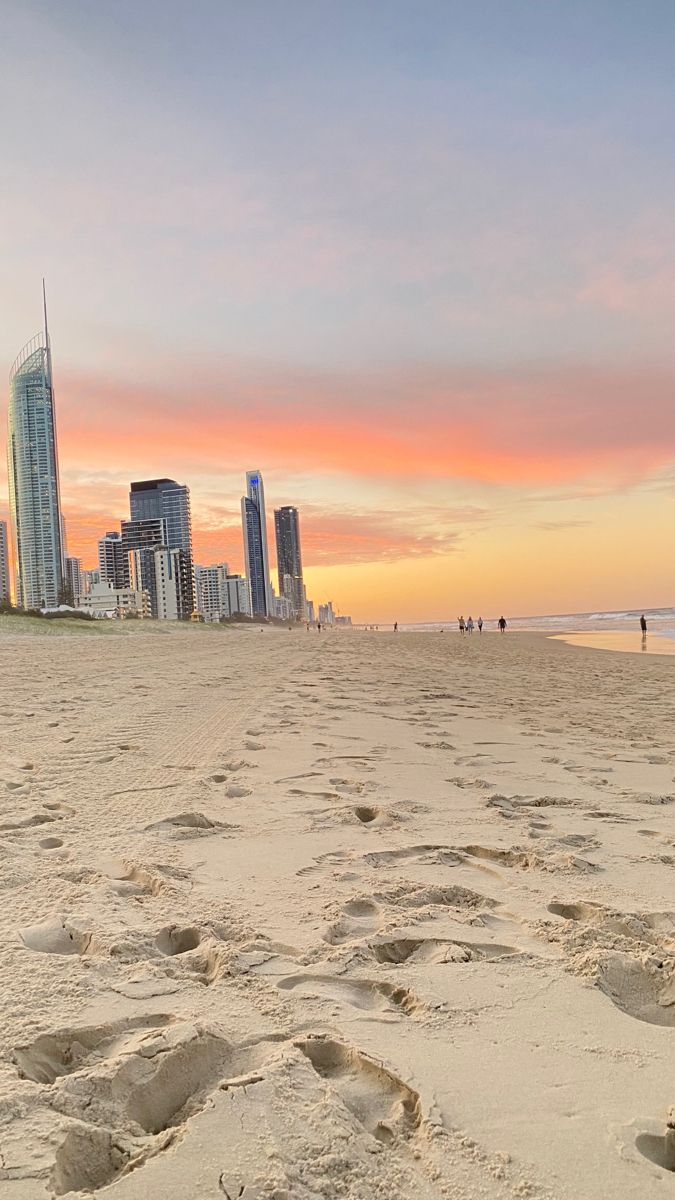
{"x":631,"y":643}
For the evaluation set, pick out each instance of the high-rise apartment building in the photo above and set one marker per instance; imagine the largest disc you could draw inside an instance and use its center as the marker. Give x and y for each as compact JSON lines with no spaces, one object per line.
{"x":209,"y":587}
{"x":167,"y":576}
{"x":238,"y":593}
{"x":254,"y":523}
{"x":169,"y":501}
{"x":326,"y":613}
{"x":111,"y":562}
{"x":289,"y":559}
{"x":33,"y":469}
{"x":4,"y":564}
{"x":72,"y":578}
{"x":220,"y":594}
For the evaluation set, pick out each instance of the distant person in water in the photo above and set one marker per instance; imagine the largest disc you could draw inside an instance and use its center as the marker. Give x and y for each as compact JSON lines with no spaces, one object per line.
{"x":643,"y":623}
{"x":502,"y":624}
{"x":461,"y":625}
{"x":480,"y":624}
{"x":469,"y":625}
{"x":395,"y":626}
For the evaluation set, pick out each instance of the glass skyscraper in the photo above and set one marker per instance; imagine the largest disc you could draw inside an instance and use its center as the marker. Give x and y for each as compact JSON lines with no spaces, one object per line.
{"x":289,"y":558}
{"x":33,"y":470}
{"x":164,"y":500}
{"x":254,"y":524}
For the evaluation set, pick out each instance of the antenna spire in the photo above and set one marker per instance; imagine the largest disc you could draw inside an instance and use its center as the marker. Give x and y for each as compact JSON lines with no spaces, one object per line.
{"x":44,"y":305}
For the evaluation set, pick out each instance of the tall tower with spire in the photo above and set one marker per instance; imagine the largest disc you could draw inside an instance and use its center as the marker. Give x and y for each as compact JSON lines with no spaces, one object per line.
{"x":256,"y":557}
{"x":33,"y":471}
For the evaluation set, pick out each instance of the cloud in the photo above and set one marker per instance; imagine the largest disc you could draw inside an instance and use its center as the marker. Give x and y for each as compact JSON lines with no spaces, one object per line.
{"x":530,"y":426}
{"x":560,"y":526}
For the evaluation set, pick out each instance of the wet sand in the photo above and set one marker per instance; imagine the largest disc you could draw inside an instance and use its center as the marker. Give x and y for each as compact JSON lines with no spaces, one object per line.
{"x":300,"y":917}
{"x":626,"y":643}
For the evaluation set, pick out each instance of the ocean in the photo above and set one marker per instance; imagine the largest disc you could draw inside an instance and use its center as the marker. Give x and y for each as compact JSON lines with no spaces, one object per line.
{"x":659,"y":620}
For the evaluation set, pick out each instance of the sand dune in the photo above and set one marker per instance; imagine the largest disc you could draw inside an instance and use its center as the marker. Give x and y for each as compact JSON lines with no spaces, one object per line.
{"x":296,"y":917}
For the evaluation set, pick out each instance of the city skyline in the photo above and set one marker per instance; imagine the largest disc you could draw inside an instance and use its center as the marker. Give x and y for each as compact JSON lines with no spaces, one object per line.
{"x":426,"y":280}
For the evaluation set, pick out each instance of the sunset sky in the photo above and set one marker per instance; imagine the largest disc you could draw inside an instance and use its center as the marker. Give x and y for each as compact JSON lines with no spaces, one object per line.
{"x":413,"y":261}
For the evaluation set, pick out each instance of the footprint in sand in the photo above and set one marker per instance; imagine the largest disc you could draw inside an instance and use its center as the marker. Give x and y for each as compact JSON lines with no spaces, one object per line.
{"x":425,"y":854}
{"x":644,"y":990}
{"x":393,"y":951}
{"x":129,"y":880}
{"x":67,"y":1050}
{"x":385,"y":1105}
{"x":324,"y":862}
{"x":56,"y":936}
{"x":365,"y":994}
{"x":529,"y":860}
{"x":350,"y":787}
{"x":152,"y":1084}
{"x":359,"y":917}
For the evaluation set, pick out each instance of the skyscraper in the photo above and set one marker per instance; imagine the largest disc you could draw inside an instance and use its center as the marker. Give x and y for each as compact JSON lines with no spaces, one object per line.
{"x":114,"y":570}
{"x":254,"y":525}
{"x":4,"y":563}
{"x":289,"y":558}
{"x":33,"y":470}
{"x":168,"y":501}
{"x":153,"y":498}
{"x":72,"y":580}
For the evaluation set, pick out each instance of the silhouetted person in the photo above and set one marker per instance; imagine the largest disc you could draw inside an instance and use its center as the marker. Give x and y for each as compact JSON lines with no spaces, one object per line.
{"x":461,"y":625}
{"x":480,"y":624}
{"x":643,"y":623}
{"x":395,"y":626}
{"x":502,"y":624}
{"x":319,"y":626}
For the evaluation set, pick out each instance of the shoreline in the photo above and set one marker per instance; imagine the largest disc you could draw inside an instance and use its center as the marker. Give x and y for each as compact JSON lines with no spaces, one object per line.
{"x":619,"y":642}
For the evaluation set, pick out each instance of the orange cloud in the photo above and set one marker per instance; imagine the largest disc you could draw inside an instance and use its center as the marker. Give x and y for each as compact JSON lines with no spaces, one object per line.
{"x":537,"y":426}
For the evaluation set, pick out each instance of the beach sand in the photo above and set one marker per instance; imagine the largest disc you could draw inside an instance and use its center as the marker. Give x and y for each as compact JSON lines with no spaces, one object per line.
{"x":353,"y":915}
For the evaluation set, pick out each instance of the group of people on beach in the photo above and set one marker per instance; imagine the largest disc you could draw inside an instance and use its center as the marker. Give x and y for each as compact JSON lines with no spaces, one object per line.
{"x":468,"y":625}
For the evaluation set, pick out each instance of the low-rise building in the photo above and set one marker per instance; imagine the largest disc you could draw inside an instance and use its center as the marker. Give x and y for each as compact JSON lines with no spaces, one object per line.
{"x":104,"y":600}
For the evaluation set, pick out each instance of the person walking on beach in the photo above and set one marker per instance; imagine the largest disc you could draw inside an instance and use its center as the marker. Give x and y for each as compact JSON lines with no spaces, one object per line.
{"x":469,"y":625}
{"x":643,"y":624}
{"x":395,"y":626}
{"x":461,"y":625}
{"x":319,"y":626}
{"x":480,"y":624}
{"x":502,"y":624}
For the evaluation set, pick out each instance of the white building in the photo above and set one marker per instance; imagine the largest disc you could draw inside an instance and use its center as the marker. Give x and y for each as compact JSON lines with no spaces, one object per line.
{"x":166,"y":575}
{"x":4,"y":563}
{"x":111,"y":562}
{"x":220,"y":594}
{"x":283,"y":608}
{"x":326,"y":614}
{"x":104,"y":600}
{"x":238,"y":591}
{"x":210,"y":591}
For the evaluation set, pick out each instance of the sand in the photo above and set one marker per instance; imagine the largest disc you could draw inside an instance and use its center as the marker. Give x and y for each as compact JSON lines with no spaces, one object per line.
{"x":354,"y":915}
